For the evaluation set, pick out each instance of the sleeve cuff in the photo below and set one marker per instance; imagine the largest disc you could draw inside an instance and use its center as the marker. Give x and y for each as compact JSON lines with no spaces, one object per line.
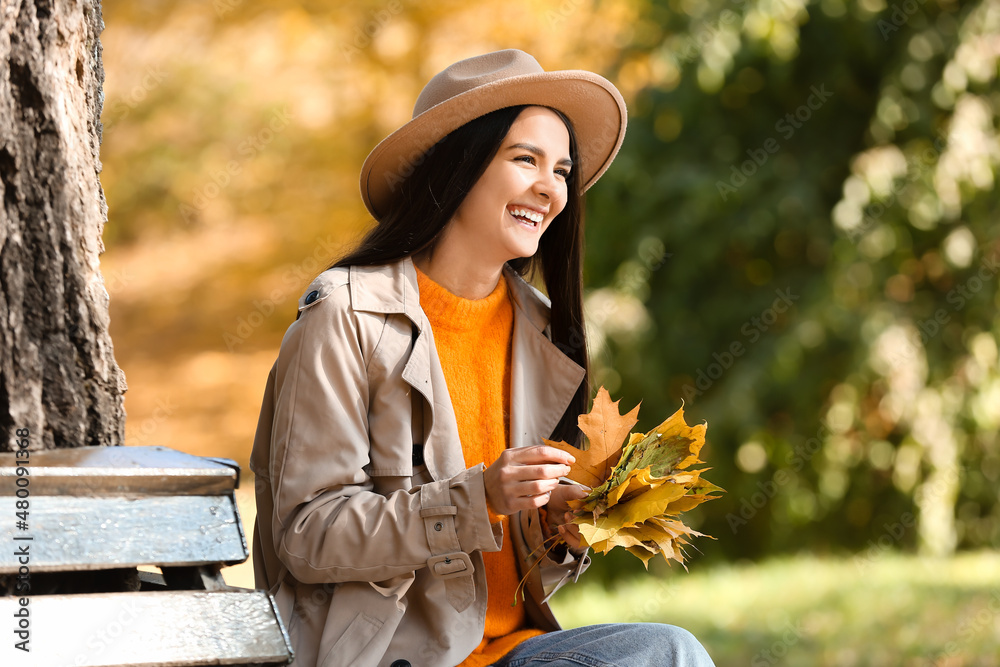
{"x":478,"y":528}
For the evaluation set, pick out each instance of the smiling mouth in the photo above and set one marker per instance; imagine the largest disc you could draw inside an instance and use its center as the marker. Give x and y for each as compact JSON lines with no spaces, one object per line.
{"x":526,"y":217}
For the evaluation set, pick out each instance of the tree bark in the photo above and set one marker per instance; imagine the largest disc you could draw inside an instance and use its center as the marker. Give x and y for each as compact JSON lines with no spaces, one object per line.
{"x":58,"y":375}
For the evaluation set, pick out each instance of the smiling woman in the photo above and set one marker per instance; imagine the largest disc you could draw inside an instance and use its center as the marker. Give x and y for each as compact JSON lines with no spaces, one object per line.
{"x":402,"y":487}
{"x":505,"y":214}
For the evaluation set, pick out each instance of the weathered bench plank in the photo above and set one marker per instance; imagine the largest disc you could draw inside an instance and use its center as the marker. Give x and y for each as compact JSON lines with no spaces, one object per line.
{"x":102,"y":533}
{"x":110,"y":510}
{"x":103,"y":471}
{"x":154,"y":629}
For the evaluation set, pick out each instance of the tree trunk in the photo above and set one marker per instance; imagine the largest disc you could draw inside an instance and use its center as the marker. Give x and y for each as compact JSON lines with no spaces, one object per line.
{"x":58,"y":375}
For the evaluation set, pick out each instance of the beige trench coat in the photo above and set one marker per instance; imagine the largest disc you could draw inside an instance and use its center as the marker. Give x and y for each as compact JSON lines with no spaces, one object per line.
{"x":369,"y":527}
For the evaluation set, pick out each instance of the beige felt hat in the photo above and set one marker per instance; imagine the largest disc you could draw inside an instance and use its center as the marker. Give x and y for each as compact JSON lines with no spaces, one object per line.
{"x":476,"y":86}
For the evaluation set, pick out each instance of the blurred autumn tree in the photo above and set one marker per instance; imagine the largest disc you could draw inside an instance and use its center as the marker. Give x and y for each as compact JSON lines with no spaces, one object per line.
{"x":234,"y":134}
{"x":799,"y":237}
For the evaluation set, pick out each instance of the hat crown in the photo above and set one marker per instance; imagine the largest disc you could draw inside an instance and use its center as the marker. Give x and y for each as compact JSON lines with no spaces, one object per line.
{"x":471,"y":73}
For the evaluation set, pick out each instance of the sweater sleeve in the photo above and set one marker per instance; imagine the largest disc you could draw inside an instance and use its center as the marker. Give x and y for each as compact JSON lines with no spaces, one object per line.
{"x":329,"y":525}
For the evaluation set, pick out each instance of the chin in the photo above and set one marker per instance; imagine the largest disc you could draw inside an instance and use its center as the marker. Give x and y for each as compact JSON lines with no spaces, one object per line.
{"x":525,"y":253}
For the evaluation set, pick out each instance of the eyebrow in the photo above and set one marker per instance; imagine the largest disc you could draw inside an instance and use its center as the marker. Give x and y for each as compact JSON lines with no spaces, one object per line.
{"x":531,"y":148}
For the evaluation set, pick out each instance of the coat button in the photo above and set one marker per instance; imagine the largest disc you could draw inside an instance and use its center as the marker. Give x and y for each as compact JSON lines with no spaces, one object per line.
{"x":312,"y":296}
{"x":400,"y":663}
{"x":438,"y":526}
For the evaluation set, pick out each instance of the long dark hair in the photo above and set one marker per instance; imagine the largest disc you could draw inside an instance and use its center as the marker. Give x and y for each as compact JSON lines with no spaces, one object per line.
{"x":427,"y":199}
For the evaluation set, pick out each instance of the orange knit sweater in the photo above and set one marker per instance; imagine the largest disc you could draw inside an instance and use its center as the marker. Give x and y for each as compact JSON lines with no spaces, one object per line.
{"x":473,"y":339}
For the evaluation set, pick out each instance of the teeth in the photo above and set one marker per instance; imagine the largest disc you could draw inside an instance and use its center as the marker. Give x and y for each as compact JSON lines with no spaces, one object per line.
{"x":530,"y":215}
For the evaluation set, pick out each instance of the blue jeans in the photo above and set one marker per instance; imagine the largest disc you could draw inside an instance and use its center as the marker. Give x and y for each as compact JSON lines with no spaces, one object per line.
{"x":611,"y":645}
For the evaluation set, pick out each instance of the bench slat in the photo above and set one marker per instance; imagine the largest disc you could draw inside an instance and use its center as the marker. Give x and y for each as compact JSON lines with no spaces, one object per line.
{"x":101,"y":471}
{"x":102,"y":533}
{"x":155,"y":629}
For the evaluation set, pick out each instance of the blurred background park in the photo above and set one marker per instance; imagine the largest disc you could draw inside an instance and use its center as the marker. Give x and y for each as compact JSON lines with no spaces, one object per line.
{"x":800,"y":240}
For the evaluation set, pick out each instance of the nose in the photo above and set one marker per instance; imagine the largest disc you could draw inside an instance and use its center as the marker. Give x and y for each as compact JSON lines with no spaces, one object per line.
{"x":546,"y":185}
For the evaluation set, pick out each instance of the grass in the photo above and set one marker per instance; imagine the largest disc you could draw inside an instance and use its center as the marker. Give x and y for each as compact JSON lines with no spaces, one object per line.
{"x":890,"y":610}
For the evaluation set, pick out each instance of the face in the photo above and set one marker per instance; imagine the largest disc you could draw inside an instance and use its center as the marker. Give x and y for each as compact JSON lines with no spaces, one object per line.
{"x":522,"y":190}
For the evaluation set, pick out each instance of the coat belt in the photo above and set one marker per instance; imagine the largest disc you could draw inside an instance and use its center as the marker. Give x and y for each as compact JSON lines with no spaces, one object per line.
{"x":448,"y":561}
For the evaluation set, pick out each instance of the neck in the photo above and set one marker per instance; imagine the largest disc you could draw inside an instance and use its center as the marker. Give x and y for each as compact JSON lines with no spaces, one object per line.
{"x":460,"y":274}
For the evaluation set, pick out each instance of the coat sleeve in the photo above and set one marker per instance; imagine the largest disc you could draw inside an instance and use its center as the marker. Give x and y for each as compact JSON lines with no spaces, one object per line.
{"x":329,"y":525}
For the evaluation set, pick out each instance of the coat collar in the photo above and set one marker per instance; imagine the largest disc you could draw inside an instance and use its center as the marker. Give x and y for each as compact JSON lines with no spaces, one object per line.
{"x":392,"y":288}
{"x":543,"y":379}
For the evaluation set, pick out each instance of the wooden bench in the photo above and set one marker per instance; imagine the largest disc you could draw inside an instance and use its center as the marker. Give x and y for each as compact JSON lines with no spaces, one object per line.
{"x":70,"y":583}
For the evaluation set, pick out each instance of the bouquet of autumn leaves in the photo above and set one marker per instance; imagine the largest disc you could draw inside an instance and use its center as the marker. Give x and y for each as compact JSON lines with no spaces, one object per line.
{"x":640,"y":482}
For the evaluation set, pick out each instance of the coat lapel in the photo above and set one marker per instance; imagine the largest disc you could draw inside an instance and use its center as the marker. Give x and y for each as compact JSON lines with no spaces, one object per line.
{"x":543,"y":379}
{"x":442,"y":445}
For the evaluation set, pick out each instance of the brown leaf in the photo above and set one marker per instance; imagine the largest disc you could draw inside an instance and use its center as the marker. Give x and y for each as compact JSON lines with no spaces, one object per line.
{"x":606,"y":429}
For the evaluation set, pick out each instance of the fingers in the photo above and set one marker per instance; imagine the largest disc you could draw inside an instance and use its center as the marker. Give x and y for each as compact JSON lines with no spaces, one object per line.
{"x":512,"y":472}
{"x":570,"y":534}
{"x":541,"y":454}
{"x":546,"y":472}
{"x":510,"y":503}
{"x":525,"y":477}
{"x":533,"y":487}
{"x":563,"y":494}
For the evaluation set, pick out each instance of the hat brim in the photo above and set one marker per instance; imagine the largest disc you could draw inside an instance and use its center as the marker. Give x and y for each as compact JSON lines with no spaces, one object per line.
{"x":592,"y":104}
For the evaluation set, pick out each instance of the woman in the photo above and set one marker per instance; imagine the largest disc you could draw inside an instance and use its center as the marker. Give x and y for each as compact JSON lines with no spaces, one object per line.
{"x":403,"y":489}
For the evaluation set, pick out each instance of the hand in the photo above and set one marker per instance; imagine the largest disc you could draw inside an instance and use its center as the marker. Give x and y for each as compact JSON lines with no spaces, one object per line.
{"x":560,"y":515}
{"x":523,"y":478}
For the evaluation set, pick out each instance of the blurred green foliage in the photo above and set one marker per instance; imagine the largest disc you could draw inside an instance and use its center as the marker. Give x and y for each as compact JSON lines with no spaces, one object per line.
{"x":806,"y":205}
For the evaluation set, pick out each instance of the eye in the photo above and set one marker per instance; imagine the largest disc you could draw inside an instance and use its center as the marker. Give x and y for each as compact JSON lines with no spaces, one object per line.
{"x":563,"y":172}
{"x":530,"y":159}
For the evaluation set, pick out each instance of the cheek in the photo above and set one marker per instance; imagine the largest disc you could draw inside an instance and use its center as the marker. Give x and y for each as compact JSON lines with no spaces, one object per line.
{"x":561,"y":203}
